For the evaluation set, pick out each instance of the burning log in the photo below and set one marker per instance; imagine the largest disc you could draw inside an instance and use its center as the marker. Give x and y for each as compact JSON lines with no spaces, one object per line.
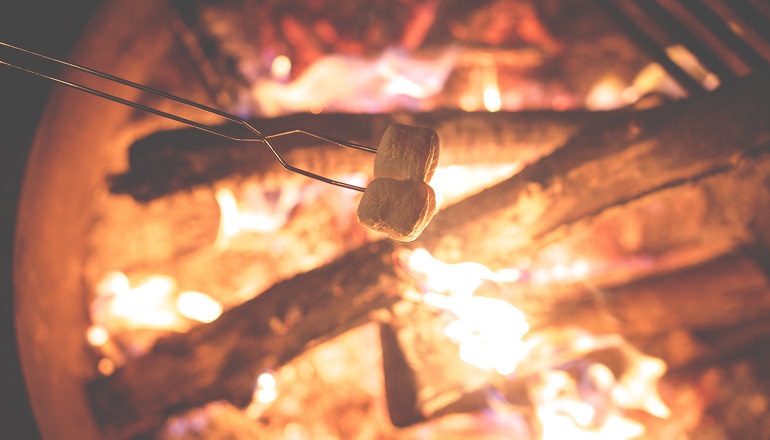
{"x":612,"y":162}
{"x":704,"y":276}
{"x":720,"y":293}
{"x":627,"y":157}
{"x":221,"y":360}
{"x":167,"y":162}
{"x":660,"y":233}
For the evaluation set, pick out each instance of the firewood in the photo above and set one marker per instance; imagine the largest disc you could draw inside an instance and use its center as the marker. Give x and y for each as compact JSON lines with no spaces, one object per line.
{"x":167,"y":162}
{"x":606,"y":164}
{"x":720,"y":293}
{"x":424,"y":376}
{"x":668,"y":230}
{"x":625,"y":158}
{"x":221,"y":360}
{"x":705,"y":271}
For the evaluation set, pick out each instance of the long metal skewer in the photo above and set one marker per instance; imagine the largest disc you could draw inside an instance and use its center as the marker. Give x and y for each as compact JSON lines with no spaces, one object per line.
{"x":257,"y":136}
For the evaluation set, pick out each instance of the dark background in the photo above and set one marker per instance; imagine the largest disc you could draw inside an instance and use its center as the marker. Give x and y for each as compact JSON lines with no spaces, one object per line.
{"x":50,"y":27}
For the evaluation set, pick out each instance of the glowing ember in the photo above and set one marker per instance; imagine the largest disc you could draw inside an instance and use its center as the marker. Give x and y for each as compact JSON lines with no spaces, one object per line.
{"x":105,"y":366}
{"x":265,"y":393}
{"x":198,"y":306}
{"x":97,"y":335}
{"x":607,"y":94}
{"x":266,"y":388}
{"x":281,"y":67}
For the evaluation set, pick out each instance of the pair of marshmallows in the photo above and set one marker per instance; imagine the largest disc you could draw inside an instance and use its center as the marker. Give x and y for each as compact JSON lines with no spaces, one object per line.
{"x":399,"y":202}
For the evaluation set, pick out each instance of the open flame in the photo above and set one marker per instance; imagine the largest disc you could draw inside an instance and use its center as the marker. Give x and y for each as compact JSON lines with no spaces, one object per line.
{"x":454,"y":182}
{"x":351,"y":84}
{"x":255,"y":214}
{"x":147,"y":304}
{"x":151,"y":305}
{"x":577,"y":397}
{"x":492,"y":99}
{"x":483,"y":91}
{"x":198,"y":306}
{"x":488,"y":330}
{"x":573,"y":393}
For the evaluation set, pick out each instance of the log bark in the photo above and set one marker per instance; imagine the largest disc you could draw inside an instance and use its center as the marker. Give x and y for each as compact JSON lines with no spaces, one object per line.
{"x":623,"y":159}
{"x":167,"y":162}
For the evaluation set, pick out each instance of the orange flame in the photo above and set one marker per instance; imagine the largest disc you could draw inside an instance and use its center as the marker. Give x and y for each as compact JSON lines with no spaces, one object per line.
{"x":151,"y":303}
{"x":454,"y":182}
{"x":586,"y":404}
{"x":198,"y":306}
{"x":590,"y":404}
{"x":492,"y":99}
{"x":488,"y":330}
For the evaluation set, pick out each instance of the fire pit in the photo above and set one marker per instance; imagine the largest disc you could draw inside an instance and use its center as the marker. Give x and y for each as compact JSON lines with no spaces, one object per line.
{"x":600,"y":271}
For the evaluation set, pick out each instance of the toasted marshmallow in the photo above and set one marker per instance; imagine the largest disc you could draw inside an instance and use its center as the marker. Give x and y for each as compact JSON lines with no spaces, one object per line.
{"x":400,"y":209}
{"x":407,"y":152}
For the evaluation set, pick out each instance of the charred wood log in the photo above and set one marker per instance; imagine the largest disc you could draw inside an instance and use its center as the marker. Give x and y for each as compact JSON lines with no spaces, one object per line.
{"x":626,"y":158}
{"x":172,"y":161}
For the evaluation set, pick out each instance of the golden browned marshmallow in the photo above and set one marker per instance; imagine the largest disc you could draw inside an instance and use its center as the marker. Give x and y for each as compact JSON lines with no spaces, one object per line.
{"x":400,"y":209}
{"x":407,"y":152}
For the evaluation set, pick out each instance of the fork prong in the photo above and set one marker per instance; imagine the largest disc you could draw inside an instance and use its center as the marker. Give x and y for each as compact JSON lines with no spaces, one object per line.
{"x":323,"y":137}
{"x":257,"y":135}
{"x":306,"y":173}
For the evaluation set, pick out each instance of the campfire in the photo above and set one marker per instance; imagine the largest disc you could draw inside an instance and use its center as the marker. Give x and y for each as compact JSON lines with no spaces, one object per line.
{"x":597,"y":268}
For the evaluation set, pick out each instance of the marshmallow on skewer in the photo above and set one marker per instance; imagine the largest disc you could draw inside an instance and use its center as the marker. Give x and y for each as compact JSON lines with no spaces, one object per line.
{"x":400,"y":209}
{"x":407,"y":152}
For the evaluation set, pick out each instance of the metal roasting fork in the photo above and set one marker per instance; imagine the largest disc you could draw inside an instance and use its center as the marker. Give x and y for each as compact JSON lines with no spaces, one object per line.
{"x":716,"y":32}
{"x":256,"y":135}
